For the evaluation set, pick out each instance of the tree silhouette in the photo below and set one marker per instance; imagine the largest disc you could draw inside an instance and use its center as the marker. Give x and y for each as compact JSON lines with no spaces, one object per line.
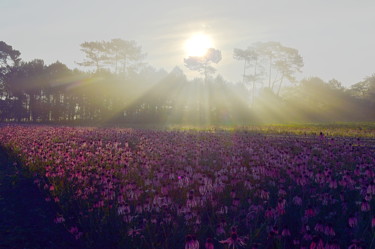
{"x":113,"y":54}
{"x":282,"y":63}
{"x":35,"y":92}
{"x":365,"y":91}
{"x":202,"y":63}
{"x":250,"y":58}
{"x":96,"y":54}
{"x":9,"y":58}
{"x":247,"y":55}
{"x":125,"y":52}
{"x":8,"y":55}
{"x":288,"y":62}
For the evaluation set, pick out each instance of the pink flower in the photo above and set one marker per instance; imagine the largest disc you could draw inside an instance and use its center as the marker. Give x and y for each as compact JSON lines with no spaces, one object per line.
{"x":329,"y":231}
{"x":365,"y":206}
{"x":220,"y":230}
{"x":333,"y":184}
{"x":236,"y":202}
{"x":133,"y":232}
{"x":352,"y":222}
{"x":319,"y":227}
{"x":307,"y":236}
{"x":59,"y":219}
{"x":78,"y":235}
{"x":285,"y":232}
{"x":209,"y":244}
{"x":233,"y":241}
{"x":297,"y":200}
{"x":264,"y":194}
{"x":309,"y":212}
{"x":191,"y":242}
{"x":73,"y":230}
{"x":317,"y":243}
{"x":269,"y":213}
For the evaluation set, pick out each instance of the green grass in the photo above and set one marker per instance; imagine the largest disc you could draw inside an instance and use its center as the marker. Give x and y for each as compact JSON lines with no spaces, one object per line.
{"x":365,"y":130}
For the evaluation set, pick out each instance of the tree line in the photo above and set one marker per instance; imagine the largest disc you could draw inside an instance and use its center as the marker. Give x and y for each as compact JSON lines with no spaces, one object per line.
{"x":119,"y":87}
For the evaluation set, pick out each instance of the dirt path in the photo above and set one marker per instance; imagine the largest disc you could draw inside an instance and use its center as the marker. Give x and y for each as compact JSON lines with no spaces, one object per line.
{"x":26,"y":220}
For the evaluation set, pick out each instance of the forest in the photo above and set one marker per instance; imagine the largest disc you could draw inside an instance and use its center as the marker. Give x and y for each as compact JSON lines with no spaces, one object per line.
{"x":120,"y":87}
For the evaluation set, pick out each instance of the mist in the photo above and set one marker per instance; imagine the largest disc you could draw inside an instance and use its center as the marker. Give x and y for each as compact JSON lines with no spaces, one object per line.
{"x":120,"y":87}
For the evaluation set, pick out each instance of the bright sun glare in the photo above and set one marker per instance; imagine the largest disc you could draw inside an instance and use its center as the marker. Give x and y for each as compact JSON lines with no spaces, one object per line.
{"x":198,"y":44}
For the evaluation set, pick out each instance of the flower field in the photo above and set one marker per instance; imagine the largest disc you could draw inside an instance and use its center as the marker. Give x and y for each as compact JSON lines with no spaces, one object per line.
{"x":129,"y":188}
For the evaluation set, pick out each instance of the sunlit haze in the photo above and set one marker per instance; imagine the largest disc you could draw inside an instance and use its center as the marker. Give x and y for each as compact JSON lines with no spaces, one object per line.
{"x":335,"y":38}
{"x":198,"y":44}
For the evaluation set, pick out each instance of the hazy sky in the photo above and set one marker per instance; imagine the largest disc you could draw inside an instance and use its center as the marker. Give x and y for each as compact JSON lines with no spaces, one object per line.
{"x":336,"y":38}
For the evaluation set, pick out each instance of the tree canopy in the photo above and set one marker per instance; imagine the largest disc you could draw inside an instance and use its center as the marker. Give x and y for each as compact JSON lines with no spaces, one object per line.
{"x":119,"y":90}
{"x":117,"y":55}
{"x":202,"y":64}
{"x":272,"y":64}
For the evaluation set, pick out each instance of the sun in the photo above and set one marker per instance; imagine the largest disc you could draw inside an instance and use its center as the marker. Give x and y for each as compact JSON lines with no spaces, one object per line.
{"x":198,"y":44}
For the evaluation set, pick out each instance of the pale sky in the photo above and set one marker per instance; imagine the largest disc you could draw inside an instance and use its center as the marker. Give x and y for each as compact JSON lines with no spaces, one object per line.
{"x":336,"y":38}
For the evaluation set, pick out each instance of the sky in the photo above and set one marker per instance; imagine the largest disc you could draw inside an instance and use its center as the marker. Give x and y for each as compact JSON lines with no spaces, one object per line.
{"x":336,"y":38}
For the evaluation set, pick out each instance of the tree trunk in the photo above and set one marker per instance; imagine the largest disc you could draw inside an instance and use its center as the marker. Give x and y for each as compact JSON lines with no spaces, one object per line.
{"x":270,"y":72}
{"x":254,"y":81}
{"x":244,"y":72}
{"x":281,"y":82}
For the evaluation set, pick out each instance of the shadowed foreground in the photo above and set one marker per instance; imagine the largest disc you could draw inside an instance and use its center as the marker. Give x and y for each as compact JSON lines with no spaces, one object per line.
{"x":26,"y":220}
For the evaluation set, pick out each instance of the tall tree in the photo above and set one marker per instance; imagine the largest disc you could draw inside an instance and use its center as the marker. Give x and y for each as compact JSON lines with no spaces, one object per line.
{"x":9,"y":58}
{"x":24,"y":84}
{"x":282,"y":63}
{"x":268,"y":50}
{"x":8,"y":55}
{"x":365,"y":91}
{"x":58,"y":78}
{"x":250,"y":57}
{"x":127,"y":53}
{"x":202,"y":64}
{"x":288,"y":63}
{"x":96,"y":54}
{"x":246,"y":55}
{"x":117,"y":53}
